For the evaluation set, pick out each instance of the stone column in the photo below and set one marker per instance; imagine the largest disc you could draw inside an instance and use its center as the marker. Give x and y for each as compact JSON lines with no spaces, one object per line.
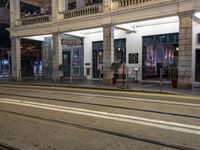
{"x":57,"y":55}
{"x":107,"y":5}
{"x":185,"y":50}
{"x":58,"y":7}
{"x":14,"y":13}
{"x":16,"y":59}
{"x":108,"y":53}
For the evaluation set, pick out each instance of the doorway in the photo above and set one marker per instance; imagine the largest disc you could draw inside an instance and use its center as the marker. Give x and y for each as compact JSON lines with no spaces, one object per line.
{"x":67,"y":62}
{"x":97,"y":56}
{"x":197,"y":69}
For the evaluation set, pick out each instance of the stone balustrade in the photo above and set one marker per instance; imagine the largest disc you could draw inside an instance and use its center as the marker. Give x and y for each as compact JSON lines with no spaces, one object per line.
{"x":93,"y":9}
{"x":35,"y":20}
{"x":124,"y":3}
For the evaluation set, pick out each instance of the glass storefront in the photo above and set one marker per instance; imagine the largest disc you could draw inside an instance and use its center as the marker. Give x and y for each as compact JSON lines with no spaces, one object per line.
{"x":5,"y":64}
{"x":30,"y":57}
{"x":73,"y":57}
{"x":158,"y":53}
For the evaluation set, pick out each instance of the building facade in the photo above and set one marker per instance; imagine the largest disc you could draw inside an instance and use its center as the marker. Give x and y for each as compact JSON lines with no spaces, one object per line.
{"x":87,"y":36}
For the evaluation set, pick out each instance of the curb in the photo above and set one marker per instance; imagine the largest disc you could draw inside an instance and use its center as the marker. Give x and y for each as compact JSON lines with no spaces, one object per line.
{"x":117,"y":88}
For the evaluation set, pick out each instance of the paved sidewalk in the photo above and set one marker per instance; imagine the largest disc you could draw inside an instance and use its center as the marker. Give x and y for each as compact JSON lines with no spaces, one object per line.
{"x":144,"y":86}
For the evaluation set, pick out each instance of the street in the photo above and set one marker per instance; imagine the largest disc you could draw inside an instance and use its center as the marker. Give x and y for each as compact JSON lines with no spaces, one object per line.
{"x":60,"y":118}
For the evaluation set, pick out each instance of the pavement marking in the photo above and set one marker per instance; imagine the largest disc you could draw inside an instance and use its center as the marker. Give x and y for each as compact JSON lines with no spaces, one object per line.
{"x":186,"y":128}
{"x":108,"y":91}
{"x":119,"y":97}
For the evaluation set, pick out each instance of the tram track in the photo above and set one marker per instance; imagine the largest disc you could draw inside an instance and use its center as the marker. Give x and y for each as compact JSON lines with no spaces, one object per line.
{"x":4,"y":146}
{"x":103,"y":105}
{"x":107,"y":95}
{"x":100,"y":130}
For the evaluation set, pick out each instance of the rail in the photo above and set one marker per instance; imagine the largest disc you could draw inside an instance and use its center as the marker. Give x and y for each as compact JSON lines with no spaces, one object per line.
{"x":93,"y":9}
{"x":137,"y":3}
{"x":35,"y":20}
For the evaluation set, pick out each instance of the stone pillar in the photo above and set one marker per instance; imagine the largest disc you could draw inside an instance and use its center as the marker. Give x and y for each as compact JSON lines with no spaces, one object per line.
{"x":108,"y":53}
{"x":57,"y":55}
{"x":58,"y":7}
{"x":14,"y":13}
{"x":16,"y":59}
{"x":185,"y":50}
{"x":107,"y":5}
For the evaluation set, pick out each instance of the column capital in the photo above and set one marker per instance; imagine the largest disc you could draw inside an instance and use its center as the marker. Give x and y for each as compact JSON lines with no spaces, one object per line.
{"x":108,"y":25}
{"x":186,"y":14}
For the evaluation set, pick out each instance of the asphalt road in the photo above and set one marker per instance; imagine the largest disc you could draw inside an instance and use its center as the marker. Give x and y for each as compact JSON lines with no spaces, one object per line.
{"x":53,"y":118}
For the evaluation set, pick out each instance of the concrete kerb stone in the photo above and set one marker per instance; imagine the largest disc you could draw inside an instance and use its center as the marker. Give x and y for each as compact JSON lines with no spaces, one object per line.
{"x":93,"y":88}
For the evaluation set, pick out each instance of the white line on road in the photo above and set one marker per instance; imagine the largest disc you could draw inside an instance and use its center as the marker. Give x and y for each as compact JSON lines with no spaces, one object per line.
{"x":186,"y":128}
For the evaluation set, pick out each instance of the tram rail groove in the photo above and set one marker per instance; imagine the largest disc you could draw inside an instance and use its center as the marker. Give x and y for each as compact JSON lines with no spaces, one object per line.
{"x":169,"y":102}
{"x":4,"y":146}
{"x":93,"y":91}
{"x":103,"y":105}
{"x":102,"y":131}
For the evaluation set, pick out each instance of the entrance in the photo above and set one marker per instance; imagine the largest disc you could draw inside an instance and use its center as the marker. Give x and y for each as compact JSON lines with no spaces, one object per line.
{"x":67,"y":62}
{"x":73,"y":62}
{"x":197,"y":70}
{"x":5,"y":68}
{"x":31,"y":61}
{"x":97,"y":58}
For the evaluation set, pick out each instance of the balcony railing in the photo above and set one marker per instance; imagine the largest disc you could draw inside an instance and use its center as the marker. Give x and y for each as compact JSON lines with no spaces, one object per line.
{"x":35,"y":20}
{"x":84,"y":11}
{"x":125,"y":3}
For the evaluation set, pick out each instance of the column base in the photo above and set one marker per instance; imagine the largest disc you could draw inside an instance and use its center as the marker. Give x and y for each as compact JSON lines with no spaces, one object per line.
{"x":107,"y":81}
{"x":184,"y":85}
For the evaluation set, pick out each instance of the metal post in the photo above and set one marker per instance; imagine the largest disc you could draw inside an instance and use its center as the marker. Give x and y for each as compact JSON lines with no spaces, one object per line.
{"x":71,"y":61}
{"x":123,"y":65}
{"x":161,"y":79}
{"x":19,"y":79}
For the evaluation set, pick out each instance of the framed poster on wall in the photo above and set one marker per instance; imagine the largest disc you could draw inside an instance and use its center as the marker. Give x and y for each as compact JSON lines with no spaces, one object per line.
{"x":133,"y":58}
